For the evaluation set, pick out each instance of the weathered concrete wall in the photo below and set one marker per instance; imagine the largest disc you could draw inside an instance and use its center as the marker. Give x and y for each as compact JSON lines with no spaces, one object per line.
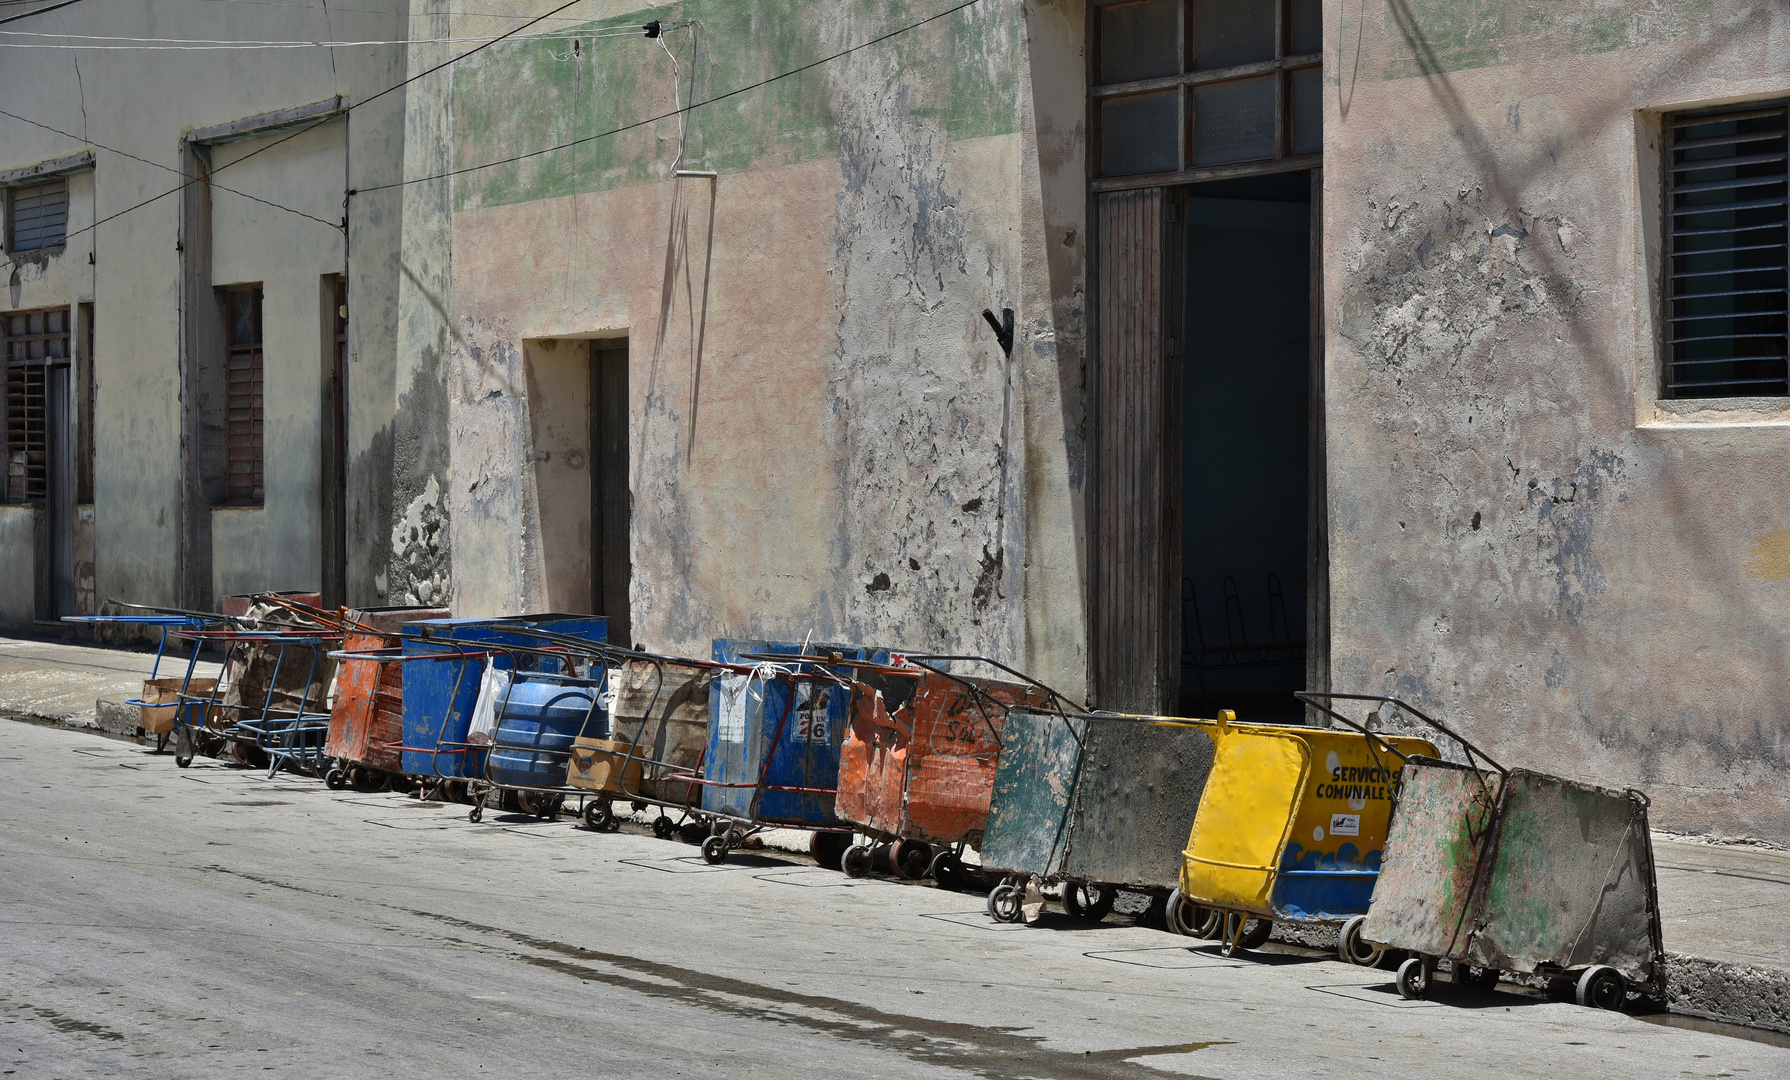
{"x":135,"y":108}
{"x":1584,"y":579}
{"x":18,"y":585}
{"x":824,"y":435}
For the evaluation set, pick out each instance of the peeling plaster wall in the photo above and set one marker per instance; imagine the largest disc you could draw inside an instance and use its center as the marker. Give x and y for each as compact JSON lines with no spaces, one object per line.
{"x":824,"y":435}
{"x":1581,"y":578}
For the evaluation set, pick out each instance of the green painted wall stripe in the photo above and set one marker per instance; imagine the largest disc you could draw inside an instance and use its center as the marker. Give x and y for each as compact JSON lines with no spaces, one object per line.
{"x":960,"y":73}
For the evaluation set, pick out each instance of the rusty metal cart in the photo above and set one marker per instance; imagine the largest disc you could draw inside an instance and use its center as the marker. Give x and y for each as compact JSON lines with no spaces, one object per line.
{"x":1096,"y":801}
{"x":1290,"y":827}
{"x":917,"y":768}
{"x":366,"y":717}
{"x":1495,"y":870}
{"x":286,"y":726}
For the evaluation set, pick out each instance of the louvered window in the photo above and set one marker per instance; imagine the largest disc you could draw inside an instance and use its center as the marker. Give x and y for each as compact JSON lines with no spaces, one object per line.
{"x":37,"y":215}
{"x":35,"y":341}
{"x":1726,"y":237}
{"x":244,"y":475}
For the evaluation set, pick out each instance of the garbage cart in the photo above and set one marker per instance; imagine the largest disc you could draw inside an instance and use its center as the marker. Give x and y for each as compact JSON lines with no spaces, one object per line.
{"x":658,"y":731}
{"x":1096,"y":801}
{"x":1495,"y":870}
{"x":366,"y":717}
{"x":1290,"y":827}
{"x":917,"y":768}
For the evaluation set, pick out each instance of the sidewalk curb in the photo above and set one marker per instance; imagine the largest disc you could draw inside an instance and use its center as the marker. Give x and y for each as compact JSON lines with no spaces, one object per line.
{"x":1735,"y":993}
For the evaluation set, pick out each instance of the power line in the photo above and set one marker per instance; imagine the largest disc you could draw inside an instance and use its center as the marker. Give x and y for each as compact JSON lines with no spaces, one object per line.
{"x":675,"y":112}
{"x":218,"y":45}
{"x":168,"y":168}
{"x":38,"y":11}
{"x":308,"y":127}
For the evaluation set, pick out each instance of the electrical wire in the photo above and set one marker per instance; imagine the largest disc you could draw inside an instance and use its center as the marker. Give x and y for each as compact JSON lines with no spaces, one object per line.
{"x":343,"y":112}
{"x":665,"y":116}
{"x":203,"y":44}
{"x":169,"y":168}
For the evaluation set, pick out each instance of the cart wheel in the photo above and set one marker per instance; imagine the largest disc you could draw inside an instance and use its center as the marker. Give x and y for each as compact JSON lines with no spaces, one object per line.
{"x":598,"y":816}
{"x":1355,"y":951}
{"x":856,"y":861}
{"x":910,"y":859}
{"x":1182,"y":916}
{"x":183,"y":747}
{"x":1004,"y":904}
{"x":1475,"y":978}
{"x":1413,"y":980}
{"x":1602,"y":988}
{"x":714,"y":850}
{"x":335,"y":780}
{"x":1085,"y":900}
{"x":663,"y":827}
{"x":828,"y":848}
{"x":476,"y":814}
{"x":1245,"y":932}
{"x":947,"y":870}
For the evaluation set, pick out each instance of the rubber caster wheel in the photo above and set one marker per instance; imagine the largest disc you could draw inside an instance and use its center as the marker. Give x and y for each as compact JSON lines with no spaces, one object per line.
{"x":1602,"y":988}
{"x":1353,"y":950}
{"x":1004,"y":904}
{"x":1088,"y":901}
{"x":1182,"y":916}
{"x":663,"y":827}
{"x":1244,"y":933}
{"x":598,"y":816}
{"x":476,"y":814}
{"x":335,"y":780}
{"x":856,"y":861}
{"x":183,"y":747}
{"x":828,"y":848}
{"x":947,"y":871}
{"x":714,"y":850}
{"x":1413,"y":979}
{"x":910,"y":859}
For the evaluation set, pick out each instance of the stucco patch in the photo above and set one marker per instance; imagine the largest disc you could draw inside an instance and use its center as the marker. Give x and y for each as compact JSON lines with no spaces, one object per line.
{"x":1770,"y":558}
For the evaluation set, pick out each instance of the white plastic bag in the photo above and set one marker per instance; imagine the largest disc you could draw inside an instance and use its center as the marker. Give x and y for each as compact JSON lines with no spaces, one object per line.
{"x":494,"y":686}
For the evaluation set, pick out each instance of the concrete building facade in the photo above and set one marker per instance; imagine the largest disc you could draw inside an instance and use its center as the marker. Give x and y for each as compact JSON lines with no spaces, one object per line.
{"x":1419,"y":348}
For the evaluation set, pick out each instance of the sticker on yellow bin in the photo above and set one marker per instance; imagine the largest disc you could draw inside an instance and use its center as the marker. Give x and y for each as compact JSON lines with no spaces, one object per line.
{"x":1293,"y":821}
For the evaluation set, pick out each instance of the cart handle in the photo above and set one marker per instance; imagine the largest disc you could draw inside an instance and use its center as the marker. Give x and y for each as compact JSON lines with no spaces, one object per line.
{"x":993,"y":663}
{"x":1317,"y":699}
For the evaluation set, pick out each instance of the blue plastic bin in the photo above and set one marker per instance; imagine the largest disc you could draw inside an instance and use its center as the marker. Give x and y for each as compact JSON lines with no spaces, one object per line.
{"x":804,"y":756}
{"x":541,"y":718}
{"x":439,"y":694}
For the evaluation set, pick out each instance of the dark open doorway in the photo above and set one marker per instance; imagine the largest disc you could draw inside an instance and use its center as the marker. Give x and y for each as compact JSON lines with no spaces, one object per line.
{"x":611,"y":507}
{"x":1247,"y":507}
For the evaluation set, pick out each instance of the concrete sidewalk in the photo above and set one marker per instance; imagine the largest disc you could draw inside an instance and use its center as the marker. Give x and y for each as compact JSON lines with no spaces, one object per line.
{"x":1724,"y":906}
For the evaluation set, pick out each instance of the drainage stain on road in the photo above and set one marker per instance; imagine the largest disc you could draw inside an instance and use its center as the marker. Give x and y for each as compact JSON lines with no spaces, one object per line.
{"x":990,"y":1052}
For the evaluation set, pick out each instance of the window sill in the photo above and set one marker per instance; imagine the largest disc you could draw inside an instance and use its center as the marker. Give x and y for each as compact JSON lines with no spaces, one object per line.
{"x":1720,"y":412}
{"x":239,"y":506}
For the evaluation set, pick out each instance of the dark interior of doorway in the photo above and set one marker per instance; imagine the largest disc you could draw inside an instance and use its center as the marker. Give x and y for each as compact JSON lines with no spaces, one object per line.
{"x":610,"y":502}
{"x":1246,"y":471}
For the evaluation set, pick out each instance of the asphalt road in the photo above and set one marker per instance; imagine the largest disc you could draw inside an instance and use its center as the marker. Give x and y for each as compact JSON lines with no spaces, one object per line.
{"x":209,"y":922}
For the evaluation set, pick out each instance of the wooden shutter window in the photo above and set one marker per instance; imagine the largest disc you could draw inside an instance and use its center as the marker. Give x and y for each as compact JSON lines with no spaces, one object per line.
{"x":244,"y":473}
{"x":37,"y":215}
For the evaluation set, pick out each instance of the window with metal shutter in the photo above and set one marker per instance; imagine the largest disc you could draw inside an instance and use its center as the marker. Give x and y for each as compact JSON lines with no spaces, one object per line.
{"x":37,"y":215}
{"x":244,"y":471}
{"x":1726,"y":293}
{"x":35,"y":340}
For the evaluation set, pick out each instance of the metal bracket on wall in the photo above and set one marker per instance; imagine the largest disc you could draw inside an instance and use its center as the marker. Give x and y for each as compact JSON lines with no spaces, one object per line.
{"x":1003,"y":328}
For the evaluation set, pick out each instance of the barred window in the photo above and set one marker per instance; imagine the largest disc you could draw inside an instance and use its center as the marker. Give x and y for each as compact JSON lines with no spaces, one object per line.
{"x":1193,"y":84}
{"x":1725,"y":291}
{"x":37,"y":215}
{"x":35,"y":341}
{"x":244,"y":473}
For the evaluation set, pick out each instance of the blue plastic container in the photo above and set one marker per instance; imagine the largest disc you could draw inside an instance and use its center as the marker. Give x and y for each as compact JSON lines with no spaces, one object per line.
{"x":541,"y":718}
{"x":439,"y":693}
{"x":803,"y":755}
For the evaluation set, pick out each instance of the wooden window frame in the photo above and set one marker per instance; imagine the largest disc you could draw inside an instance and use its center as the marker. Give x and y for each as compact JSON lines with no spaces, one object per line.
{"x":1282,"y":67}
{"x":12,"y":193}
{"x":245,"y":469}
